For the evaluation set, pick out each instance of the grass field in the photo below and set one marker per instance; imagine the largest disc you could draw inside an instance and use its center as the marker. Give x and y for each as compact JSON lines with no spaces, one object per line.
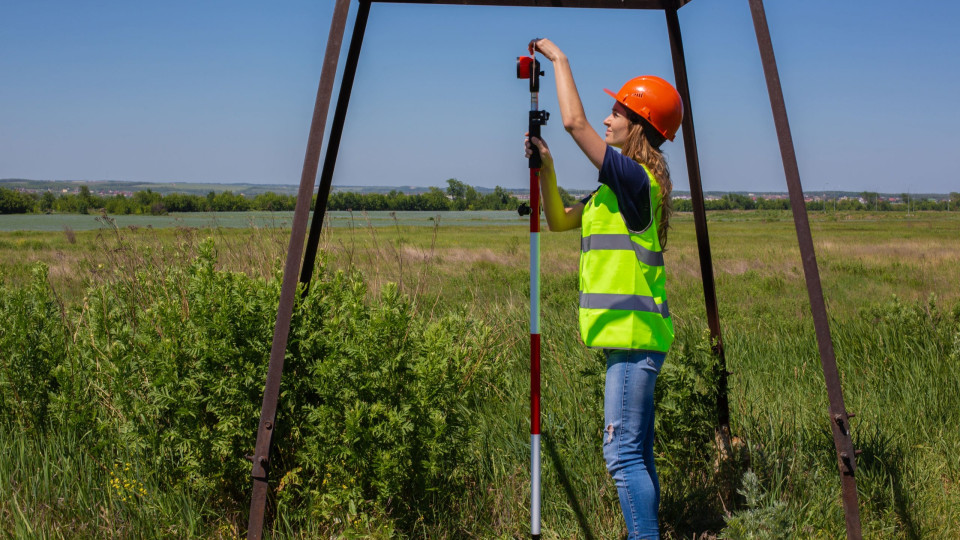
{"x":890,"y":282}
{"x":862,"y":257}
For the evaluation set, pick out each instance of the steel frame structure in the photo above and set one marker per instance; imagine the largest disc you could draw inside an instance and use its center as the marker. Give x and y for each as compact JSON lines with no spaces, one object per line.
{"x":299,"y":250}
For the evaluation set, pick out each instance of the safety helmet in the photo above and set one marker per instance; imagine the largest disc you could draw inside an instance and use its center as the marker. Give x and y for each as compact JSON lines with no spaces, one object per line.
{"x":654,"y":99}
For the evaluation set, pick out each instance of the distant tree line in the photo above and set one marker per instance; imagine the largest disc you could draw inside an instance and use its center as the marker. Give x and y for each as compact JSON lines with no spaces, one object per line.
{"x":868,"y":200}
{"x":142,"y":202}
{"x":457,"y":196}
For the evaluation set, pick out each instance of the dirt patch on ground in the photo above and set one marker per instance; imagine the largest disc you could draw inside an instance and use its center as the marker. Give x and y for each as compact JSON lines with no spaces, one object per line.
{"x":927,"y":250}
{"x":413,"y":253}
{"x":470,"y":256}
{"x":736,"y":268}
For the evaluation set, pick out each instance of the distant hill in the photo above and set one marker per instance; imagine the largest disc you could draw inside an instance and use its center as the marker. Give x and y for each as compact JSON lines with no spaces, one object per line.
{"x":119,"y":186}
{"x":191,"y":188}
{"x":109,"y":187}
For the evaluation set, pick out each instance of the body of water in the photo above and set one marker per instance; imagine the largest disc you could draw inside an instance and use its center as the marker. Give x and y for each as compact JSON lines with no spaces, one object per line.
{"x":81,"y":222}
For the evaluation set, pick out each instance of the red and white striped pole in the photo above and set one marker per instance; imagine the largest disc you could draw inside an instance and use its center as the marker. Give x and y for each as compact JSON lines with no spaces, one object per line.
{"x":535,"y":353}
{"x":529,"y":68}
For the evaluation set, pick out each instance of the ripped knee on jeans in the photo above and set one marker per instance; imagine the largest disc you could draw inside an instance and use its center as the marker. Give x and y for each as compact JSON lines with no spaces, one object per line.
{"x":609,"y":430}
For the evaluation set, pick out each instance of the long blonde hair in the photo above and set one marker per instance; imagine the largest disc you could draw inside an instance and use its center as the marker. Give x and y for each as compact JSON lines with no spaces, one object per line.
{"x":643,"y":146}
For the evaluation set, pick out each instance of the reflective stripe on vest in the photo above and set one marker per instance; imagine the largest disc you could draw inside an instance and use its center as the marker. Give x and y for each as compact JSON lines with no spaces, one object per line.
{"x":623,"y":302}
{"x":621,"y":242}
{"x":631,"y":302}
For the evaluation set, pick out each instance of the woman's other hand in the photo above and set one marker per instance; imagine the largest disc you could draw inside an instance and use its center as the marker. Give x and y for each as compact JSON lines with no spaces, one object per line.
{"x":545,"y":157}
{"x":547,"y":48}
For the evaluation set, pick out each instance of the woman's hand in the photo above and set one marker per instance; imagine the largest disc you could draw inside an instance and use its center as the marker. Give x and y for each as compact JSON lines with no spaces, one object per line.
{"x":571,"y":110}
{"x":558,"y":217}
{"x":547,"y":48}
{"x":545,"y":157}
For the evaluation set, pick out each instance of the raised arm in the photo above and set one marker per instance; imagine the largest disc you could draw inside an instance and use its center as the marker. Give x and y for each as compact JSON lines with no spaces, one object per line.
{"x":571,"y":109}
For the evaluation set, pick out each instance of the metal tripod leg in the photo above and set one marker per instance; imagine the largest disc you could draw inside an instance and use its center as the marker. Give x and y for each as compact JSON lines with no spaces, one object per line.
{"x":333,"y":143}
{"x":839,"y":419}
{"x":268,"y":411}
{"x":700,"y":223}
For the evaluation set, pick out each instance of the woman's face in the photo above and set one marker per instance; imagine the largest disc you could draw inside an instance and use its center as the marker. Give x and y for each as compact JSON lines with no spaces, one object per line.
{"x":617,"y":126}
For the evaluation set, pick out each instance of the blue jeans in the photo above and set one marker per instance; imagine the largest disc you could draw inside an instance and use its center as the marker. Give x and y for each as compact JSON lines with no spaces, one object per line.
{"x":628,"y":437}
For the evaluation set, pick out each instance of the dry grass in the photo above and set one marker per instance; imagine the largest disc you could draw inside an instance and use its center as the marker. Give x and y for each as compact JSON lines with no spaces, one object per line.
{"x":911,"y":258}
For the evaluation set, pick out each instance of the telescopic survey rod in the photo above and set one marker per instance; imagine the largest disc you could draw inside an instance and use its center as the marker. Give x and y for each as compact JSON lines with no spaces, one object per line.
{"x":529,"y":68}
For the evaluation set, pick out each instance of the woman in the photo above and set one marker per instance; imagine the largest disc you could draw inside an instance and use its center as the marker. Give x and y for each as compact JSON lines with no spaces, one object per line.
{"x":623,"y":305}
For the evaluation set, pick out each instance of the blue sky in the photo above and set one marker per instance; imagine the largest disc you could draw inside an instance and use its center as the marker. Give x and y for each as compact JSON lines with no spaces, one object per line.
{"x":224,"y":91}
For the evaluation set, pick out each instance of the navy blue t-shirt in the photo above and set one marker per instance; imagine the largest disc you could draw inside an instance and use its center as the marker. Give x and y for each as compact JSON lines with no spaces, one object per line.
{"x":630,"y":184}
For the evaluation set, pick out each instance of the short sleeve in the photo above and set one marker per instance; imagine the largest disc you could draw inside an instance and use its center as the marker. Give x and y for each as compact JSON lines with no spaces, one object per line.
{"x":631,"y":185}
{"x":586,"y":199}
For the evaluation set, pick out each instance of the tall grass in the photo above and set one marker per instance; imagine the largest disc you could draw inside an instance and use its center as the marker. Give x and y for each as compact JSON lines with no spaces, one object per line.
{"x":896,"y":355}
{"x":53,"y":486}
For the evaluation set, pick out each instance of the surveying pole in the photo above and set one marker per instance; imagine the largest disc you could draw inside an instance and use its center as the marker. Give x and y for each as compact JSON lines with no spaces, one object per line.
{"x":529,"y":68}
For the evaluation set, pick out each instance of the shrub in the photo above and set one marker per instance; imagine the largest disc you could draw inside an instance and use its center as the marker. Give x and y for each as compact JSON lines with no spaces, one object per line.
{"x":33,"y":342}
{"x":387,"y":420}
{"x":169,"y":364}
{"x":686,"y":420}
{"x":764,"y":518}
{"x":686,"y":394}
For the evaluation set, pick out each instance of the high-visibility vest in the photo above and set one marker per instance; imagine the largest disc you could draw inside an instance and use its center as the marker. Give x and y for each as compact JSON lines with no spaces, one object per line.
{"x":623,"y":301}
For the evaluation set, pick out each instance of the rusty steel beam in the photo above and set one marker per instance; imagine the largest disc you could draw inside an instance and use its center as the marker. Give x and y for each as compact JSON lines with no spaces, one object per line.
{"x":839,"y":418}
{"x":268,"y":411}
{"x":333,"y":142}
{"x":700,"y":223}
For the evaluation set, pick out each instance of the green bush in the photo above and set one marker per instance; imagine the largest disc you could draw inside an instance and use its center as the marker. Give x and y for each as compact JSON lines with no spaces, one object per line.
{"x":33,"y":342}
{"x":388,"y":423}
{"x":765,"y":518}
{"x":168,"y":366}
{"x":686,"y":421}
{"x":686,"y":396}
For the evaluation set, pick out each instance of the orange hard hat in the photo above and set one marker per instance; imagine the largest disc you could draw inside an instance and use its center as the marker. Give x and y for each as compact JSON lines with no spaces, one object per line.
{"x":654,"y":99}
